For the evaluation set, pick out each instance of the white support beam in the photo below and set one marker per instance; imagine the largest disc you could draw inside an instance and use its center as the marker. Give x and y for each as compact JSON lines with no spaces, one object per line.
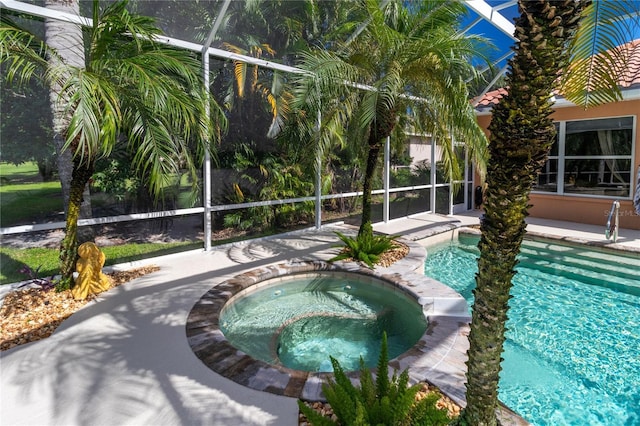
{"x":505,"y":5}
{"x":216,"y":25}
{"x":223,"y":54}
{"x":206,"y":196}
{"x":386,"y":183}
{"x":43,"y":12}
{"x":318,"y":211}
{"x":472,"y":24}
{"x":492,"y":15}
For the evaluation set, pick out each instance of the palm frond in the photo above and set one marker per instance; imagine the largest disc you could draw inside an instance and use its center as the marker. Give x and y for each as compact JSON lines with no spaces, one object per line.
{"x":599,"y":53}
{"x":95,"y":116}
{"x":158,"y":90}
{"x":23,"y":53}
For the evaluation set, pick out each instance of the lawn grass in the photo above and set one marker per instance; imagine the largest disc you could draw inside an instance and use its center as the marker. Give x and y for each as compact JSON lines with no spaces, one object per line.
{"x":25,"y":172}
{"x":45,"y":260}
{"x":28,"y":202}
{"x":24,"y":198}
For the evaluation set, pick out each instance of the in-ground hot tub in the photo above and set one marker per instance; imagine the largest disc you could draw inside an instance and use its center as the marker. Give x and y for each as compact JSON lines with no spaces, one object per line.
{"x":398,"y":299}
{"x":299,"y":320}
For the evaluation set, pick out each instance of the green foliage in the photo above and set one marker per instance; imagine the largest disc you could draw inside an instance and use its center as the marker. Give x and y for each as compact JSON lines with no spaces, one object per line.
{"x":63,"y":284}
{"x":115,"y":177}
{"x":116,"y":182}
{"x":403,"y":45}
{"x":130,"y":87}
{"x":266,"y":177}
{"x":419,"y":174}
{"x":382,"y":401}
{"x":402,"y":177}
{"x":365,"y":247}
{"x":25,"y":121}
{"x":45,"y":260}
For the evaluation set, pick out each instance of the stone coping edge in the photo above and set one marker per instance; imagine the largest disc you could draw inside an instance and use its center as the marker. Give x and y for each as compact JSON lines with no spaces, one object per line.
{"x":210,"y":345}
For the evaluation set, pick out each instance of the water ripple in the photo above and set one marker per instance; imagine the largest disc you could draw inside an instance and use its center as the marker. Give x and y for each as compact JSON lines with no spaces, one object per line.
{"x":572,"y":355}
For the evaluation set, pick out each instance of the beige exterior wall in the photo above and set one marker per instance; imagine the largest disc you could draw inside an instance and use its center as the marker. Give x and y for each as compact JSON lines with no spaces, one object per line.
{"x":587,"y":209}
{"x":420,"y":150}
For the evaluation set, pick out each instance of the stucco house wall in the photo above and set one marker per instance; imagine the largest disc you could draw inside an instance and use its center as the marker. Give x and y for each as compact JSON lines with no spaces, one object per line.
{"x":589,"y":209}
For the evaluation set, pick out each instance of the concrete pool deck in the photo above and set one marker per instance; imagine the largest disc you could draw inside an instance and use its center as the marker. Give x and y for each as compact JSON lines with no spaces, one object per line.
{"x":419,"y":226}
{"x":125,"y":358}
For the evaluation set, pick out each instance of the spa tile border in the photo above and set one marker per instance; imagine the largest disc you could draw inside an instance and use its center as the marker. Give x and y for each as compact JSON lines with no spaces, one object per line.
{"x":445,"y":334}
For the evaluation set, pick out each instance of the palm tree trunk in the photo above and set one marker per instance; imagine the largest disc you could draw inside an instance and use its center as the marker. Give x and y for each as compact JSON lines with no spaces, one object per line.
{"x":380,"y":129}
{"x":367,"y":187}
{"x":69,"y":246}
{"x":66,"y":38}
{"x":522,"y":133}
{"x":63,"y":37}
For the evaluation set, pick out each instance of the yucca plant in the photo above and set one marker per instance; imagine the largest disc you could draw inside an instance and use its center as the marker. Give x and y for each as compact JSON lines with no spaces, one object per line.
{"x":365,"y":247}
{"x":379,"y":401}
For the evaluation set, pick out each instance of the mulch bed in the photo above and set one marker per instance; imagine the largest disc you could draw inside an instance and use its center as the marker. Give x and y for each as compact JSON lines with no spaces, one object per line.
{"x":33,"y":314}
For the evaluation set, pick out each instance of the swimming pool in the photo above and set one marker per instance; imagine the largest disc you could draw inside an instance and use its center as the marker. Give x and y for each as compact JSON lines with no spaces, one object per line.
{"x":572,"y":355}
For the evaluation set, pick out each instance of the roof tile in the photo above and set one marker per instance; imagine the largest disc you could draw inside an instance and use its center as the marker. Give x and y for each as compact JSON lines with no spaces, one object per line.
{"x":631,"y":76}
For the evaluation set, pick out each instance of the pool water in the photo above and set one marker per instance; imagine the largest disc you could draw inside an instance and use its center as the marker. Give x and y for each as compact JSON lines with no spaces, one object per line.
{"x":572,"y":354}
{"x":300,"y":322}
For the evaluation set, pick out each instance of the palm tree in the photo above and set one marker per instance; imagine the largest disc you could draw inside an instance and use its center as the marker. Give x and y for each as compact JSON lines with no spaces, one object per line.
{"x":522,"y":132}
{"x":387,"y":50}
{"x":130,"y":90}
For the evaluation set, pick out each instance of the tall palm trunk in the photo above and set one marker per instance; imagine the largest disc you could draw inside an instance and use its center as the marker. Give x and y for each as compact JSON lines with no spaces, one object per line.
{"x":522,"y":133}
{"x":66,"y":39}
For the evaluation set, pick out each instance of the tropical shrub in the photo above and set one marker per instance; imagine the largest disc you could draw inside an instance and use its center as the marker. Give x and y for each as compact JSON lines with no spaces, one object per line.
{"x":422,"y":172}
{"x":113,"y":176}
{"x":402,"y":177}
{"x":379,"y":401}
{"x":262,"y":176}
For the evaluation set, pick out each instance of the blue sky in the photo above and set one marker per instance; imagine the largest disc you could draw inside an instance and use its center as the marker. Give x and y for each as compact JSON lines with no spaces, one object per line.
{"x":504,"y":42}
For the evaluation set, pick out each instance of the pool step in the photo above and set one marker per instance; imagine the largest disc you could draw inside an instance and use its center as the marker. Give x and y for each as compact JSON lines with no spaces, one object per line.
{"x":593,"y":267}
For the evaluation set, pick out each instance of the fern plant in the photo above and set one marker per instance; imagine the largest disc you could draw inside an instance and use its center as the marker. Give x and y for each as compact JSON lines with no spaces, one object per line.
{"x":366,"y":247}
{"x":382,"y":401}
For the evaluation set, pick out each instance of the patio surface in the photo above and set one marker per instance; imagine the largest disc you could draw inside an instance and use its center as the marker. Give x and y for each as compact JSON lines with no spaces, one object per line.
{"x":125,"y":358}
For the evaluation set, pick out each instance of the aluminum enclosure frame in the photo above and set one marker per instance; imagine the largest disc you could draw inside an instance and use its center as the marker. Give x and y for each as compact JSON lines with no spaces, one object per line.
{"x":481,"y":7}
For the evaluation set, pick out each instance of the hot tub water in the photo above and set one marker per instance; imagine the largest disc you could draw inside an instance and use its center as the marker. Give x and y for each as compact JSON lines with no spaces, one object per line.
{"x":300,"y":321}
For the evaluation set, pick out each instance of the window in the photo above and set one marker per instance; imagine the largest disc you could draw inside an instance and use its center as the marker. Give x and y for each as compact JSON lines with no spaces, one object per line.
{"x":590,"y":157}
